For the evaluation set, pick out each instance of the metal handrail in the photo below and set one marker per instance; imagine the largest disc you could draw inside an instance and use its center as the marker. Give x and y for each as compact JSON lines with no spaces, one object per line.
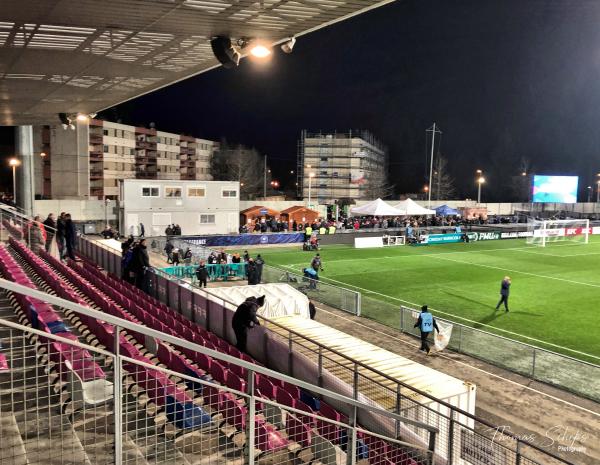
{"x":125,"y":324}
{"x":451,"y":407}
{"x":379,"y":373}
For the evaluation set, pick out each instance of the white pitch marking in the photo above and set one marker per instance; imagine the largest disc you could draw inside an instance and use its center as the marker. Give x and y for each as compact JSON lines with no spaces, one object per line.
{"x":368,"y":291}
{"x":470,"y":366}
{"x":517,"y":271}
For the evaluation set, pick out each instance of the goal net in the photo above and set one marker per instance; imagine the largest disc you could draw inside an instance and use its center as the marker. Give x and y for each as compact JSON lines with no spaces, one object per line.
{"x":544,"y":232}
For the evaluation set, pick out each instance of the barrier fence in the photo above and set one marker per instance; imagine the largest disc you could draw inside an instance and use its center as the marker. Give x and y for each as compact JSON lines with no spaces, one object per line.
{"x":462,"y":437}
{"x":126,"y":415}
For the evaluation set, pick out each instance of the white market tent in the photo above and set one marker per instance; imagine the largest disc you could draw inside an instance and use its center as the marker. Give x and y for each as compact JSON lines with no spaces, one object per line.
{"x":281,"y":299}
{"x":409,"y":207}
{"x":375,"y":208}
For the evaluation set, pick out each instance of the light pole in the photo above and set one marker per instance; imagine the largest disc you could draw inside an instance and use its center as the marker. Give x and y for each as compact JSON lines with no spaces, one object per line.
{"x":480,"y":181}
{"x":310,"y":176}
{"x":14,"y":163}
{"x":589,"y":189}
{"x":433,"y":131}
{"x":598,"y":192}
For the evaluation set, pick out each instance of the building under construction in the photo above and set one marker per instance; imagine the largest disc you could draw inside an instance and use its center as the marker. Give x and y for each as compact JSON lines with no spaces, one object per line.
{"x":340,"y":165}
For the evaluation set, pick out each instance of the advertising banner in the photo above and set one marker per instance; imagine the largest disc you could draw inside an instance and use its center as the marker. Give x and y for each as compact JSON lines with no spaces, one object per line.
{"x":444,"y":238}
{"x":245,"y":239}
{"x":515,"y":234}
{"x":484,"y":236}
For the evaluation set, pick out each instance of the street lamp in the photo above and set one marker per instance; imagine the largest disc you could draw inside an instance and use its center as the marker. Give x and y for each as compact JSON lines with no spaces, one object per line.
{"x":480,"y":181}
{"x":310,"y":176}
{"x":598,"y":191}
{"x":589,"y":188}
{"x":14,"y":163}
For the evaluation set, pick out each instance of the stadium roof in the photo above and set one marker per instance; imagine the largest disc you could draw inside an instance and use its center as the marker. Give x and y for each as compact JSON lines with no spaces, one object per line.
{"x":87,"y":55}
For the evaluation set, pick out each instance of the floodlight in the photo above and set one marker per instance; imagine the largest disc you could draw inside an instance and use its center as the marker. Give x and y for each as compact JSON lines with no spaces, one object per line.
{"x":288,"y":46}
{"x":81,"y":117}
{"x":260,"y":51}
{"x":225,"y":52}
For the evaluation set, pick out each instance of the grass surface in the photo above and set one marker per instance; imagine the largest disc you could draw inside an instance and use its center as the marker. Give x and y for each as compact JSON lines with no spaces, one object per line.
{"x":555,"y":292}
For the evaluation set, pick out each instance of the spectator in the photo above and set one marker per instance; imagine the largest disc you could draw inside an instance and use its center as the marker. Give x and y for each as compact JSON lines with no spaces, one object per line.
{"x":60,"y":235}
{"x":50,"y":226}
{"x":169,"y":231}
{"x":259,"y":262}
{"x":70,"y":236}
{"x":175,"y":256}
{"x":169,"y":251}
{"x":202,"y":273}
{"x":140,"y":263}
{"x":126,"y":257}
{"x":36,"y":235}
{"x":187,"y":257}
{"x":142,"y":230}
{"x":246,"y":256}
{"x":312,"y":310}
{"x":252,"y":272}
{"x":316,"y":263}
{"x":108,"y":233}
{"x":245,"y":318}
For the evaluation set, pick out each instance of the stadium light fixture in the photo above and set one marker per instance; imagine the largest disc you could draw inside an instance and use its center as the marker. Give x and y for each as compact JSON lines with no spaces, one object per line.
{"x":260,"y":51}
{"x":82,"y":118}
{"x":14,"y":162}
{"x":523,"y":173}
{"x":288,"y":46}
{"x":480,"y":181}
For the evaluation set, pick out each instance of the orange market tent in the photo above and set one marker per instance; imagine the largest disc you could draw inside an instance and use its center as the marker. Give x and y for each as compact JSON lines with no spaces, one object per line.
{"x":299,"y":214}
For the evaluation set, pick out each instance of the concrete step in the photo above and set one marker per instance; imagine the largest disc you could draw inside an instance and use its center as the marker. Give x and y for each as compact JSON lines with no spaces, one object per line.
{"x":12,"y":449}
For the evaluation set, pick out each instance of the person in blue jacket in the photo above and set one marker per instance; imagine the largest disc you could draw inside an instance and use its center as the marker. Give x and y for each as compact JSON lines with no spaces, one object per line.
{"x":426,"y":323}
{"x":504,"y":293}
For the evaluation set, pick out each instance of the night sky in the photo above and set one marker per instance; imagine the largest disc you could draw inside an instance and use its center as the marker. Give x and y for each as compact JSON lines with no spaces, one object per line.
{"x":504,"y":80}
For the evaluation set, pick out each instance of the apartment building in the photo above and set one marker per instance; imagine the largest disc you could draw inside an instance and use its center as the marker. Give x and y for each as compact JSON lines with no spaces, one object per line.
{"x":332,"y":166}
{"x":90,"y":160}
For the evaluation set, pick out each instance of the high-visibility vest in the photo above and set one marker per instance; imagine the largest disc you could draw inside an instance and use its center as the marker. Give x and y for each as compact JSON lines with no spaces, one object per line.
{"x":308,"y":231}
{"x":331,"y":229}
{"x":322,"y":230}
{"x":426,"y":322}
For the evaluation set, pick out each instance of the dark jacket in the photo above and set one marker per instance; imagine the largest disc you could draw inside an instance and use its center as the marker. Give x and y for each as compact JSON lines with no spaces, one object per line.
{"x":70,"y":232}
{"x":505,"y":288}
{"x":169,"y":248}
{"x":245,"y":315}
{"x":50,"y":227}
{"x":202,"y":272}
{"x":140,"y":259}
{"x":252,"y":273}
{"x":60,"y":228}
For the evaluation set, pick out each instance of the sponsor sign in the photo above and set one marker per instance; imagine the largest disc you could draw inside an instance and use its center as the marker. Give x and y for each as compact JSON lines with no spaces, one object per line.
{"x":484,"y":236}
{"x":444,"y":238}
{"x":515,"y":234}
{"x":245,"y":239}
{"x":479,"y":450}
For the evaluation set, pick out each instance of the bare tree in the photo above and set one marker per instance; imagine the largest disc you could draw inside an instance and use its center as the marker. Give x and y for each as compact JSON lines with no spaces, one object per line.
{"x":239,"y":163}
{"x":442,"y":184}
{"x":377,"y":186}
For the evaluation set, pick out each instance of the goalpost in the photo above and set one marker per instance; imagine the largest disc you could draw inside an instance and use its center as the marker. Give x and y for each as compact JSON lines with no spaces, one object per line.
{"x":543,"y":232}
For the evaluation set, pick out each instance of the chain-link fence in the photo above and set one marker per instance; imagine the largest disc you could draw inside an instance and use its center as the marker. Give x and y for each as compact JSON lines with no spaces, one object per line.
{"x":574,"y":375}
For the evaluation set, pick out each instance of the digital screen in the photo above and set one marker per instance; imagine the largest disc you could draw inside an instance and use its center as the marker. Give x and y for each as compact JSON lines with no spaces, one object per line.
{"x":557,"y":189}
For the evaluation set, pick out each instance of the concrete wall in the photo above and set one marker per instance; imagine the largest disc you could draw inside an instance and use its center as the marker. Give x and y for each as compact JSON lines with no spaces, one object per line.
{"x":156,"y":213}
{"x":70,"y":168}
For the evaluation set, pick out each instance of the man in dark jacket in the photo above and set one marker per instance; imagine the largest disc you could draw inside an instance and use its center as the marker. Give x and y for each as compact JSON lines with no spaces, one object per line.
{"x":50,"y":226}
{"x":252,"y":272}
{"x":259,"y":262}
{"x":202,"y":273}
{"x":169,"y":251}
{"x":244,"y":319}
{"x":60,"y":235}
{"x":504,"y":292}
{"x":70,"y":236}
{"x":426,"y":323}
{"x":140,"y":262}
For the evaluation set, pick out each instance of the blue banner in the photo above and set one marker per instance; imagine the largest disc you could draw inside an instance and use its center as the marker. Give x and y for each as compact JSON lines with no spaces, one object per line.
{"x":245,"y":239}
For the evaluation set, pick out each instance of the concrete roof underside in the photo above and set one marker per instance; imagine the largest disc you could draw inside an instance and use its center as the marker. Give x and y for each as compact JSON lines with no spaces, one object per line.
{"x":88,"y":55}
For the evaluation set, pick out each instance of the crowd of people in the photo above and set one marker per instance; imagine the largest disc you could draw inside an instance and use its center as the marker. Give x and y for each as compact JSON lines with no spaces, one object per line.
{"x":42,"y":234}
{"x":173,"y":230}
{"x":135,"y":262}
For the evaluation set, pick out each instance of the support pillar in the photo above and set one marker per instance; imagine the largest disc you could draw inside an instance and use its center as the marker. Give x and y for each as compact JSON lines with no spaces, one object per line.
{"x":25,"y":172}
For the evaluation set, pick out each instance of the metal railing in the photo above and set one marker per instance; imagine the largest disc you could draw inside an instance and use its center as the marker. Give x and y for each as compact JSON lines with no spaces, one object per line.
{"x":196,"y":419}
{"x":328,"y":294}
{"x":461,"y":433}
{"x":578,"y":376}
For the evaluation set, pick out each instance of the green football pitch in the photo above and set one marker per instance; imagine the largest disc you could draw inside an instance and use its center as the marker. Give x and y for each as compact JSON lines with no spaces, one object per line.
{"x":554,"y":300}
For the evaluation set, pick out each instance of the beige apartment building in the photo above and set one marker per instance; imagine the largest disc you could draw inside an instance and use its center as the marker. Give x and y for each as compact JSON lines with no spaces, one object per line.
{"x":89,"y":160}
{"x":334,"y":166}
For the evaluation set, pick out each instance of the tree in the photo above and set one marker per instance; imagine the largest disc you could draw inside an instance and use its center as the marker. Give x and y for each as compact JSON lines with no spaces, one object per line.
{"x":442,"y":184}
{"x":239,"y":163}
